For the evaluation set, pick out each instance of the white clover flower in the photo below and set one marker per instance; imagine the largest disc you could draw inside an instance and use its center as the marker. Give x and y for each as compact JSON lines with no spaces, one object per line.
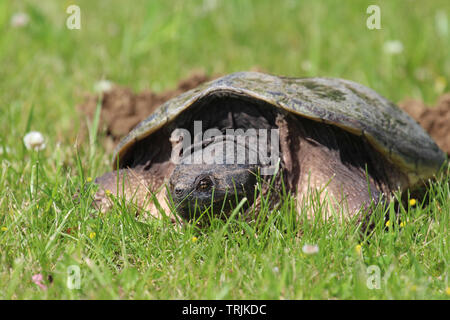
{"x":19,"y":19}
{"x":103,"y":86}
{"x":393,"y":47}
{"x":34,"y":141}
{"x":441,"y":23}
{"x":310,"y":248}
{"x":275,"y":270}
{"x":209,"y":5}
{"x":306,"y":65}
{"x":4,"y":150}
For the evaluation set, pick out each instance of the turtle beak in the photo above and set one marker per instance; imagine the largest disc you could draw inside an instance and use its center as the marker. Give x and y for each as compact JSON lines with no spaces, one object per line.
{"x":189,"y":206}
{"x":180,"y":192}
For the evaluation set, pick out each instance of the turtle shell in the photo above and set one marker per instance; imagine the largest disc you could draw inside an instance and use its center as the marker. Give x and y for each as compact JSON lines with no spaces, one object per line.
{"x":345,"y":104}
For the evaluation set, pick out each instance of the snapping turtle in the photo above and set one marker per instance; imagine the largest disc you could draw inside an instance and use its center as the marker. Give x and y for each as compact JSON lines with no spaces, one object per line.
{"x":326,"y":134}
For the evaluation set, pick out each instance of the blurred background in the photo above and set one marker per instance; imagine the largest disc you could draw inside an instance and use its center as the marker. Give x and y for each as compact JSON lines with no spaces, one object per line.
{"x":48,"y":68}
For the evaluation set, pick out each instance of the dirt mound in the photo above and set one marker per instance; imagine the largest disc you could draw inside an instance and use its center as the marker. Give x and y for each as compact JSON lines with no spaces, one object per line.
{"x":122,"y":109}
{"x":436,"y":120}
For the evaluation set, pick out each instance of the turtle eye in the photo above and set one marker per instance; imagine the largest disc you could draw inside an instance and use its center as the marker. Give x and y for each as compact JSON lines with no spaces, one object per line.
{"x":204,"y":184}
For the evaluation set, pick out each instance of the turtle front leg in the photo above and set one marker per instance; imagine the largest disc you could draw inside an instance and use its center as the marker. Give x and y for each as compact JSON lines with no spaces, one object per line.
{"x":348,"y":191}
{"x":136,"y":186}
{"x":320,"y":160}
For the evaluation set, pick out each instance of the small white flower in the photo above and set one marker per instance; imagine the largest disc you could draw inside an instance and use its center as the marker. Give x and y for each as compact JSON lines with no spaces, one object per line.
{"x":19,"y":19}
{"x":275,"y":270}
{"x":310,"y":248}
{"x":393,"y":47}
{"x":4,"y":150}
{"x":306,"y":65}
{"x":209,"y":5}
{"x":34,"y":141}
{"x":103,"y":86}
{"x":441,"y":22}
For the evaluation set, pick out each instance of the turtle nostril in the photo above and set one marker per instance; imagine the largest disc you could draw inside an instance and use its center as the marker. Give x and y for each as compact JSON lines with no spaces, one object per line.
{"x":178,"y":191}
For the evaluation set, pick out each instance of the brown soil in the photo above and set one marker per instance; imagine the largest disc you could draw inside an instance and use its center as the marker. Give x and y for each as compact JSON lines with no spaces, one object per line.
{"x":122,"y":110}
{"x":436,"y":120}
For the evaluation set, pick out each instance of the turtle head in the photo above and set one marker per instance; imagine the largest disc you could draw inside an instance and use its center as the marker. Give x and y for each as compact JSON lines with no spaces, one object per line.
{"x":196,"y":187}
{"x":205,"y":180}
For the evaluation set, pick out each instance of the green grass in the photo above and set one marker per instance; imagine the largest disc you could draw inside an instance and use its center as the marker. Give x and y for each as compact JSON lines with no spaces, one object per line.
{"x":46,"y":69}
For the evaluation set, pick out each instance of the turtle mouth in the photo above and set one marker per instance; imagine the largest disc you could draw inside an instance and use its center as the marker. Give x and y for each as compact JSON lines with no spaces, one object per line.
{"x":216,"y":204}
